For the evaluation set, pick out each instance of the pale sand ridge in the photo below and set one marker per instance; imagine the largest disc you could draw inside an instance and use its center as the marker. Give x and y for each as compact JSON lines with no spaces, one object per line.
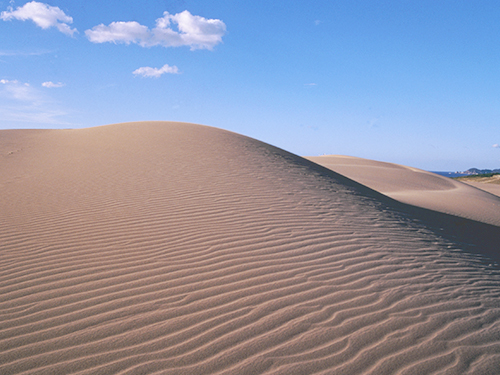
{"x":490,"y":188}
{"x":417,"y":187}
{"x":490,"y":184}
{"x":174,"y":248}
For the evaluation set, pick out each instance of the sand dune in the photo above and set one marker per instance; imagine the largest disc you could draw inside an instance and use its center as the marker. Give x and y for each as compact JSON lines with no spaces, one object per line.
{"x":490,"y":188}
{"x":491,"y":184}
{"x":175,"y":248}
{"x":417,"y":187}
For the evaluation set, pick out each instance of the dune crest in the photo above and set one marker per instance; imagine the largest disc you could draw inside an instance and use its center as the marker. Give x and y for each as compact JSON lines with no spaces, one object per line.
{"x":491,"y":184}
{"x":175,"y":248}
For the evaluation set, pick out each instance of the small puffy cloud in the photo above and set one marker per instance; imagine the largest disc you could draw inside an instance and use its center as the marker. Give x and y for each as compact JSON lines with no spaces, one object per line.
{"x":317,"y":22}
{"x":43,"y":15}
{"x":193,"y":31}
{"x":147,"y":71}
{"x":496,"y":145}
{"x":50,"y":84}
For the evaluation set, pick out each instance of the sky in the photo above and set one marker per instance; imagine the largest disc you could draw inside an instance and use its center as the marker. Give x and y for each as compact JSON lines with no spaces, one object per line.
{"x":413,"y":82}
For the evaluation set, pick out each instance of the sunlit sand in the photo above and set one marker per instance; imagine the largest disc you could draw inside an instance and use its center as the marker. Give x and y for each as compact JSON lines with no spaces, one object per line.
{"x":175,"y":248}
{"x":420,"y":188}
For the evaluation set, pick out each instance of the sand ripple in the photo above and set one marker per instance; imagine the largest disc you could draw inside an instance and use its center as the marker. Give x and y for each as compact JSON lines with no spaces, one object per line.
{"x":179,"y":249}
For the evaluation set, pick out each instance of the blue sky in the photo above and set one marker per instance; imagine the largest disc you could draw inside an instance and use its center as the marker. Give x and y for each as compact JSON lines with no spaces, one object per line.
{"x":415,"y":82}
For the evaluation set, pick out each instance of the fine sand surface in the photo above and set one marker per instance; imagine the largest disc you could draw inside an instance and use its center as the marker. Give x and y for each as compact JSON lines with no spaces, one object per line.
{"x":490,"y":188}
{"x":174,"y":248}
{"x":420,"y":188}
{"x":489,"y":184}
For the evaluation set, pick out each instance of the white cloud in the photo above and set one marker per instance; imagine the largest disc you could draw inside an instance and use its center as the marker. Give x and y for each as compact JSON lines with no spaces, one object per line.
{"x":50,"y":84}
{"x":118,"y":32}
{"x":496,"y":145}
{"x":147,"y":71}
{"x":193,"y":31}
{"x":16,"y":90}
{"x":23,"y":104}
{"x":43,"y":15}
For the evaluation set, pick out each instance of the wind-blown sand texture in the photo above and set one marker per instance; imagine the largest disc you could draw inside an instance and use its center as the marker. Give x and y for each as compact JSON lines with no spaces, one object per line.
{"x":489,"y":184}
{"x":181,"y":249}
{"x":490,"y":188}
{"x":417,"y":187}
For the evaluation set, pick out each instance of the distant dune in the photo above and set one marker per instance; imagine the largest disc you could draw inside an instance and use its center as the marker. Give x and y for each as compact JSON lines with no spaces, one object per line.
{"x":174,"y":248}
{"x":491,"y":188}
{"x":490,"y":184}
{"x":417,"y":187}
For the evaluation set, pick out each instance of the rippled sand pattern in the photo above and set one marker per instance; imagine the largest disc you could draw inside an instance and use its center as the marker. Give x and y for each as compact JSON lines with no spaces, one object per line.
{"x":179,"y":249}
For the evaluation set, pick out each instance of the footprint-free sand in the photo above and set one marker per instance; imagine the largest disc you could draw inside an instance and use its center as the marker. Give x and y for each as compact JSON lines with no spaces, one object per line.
{"x":173,"y":248}
{"x":420,"y":188}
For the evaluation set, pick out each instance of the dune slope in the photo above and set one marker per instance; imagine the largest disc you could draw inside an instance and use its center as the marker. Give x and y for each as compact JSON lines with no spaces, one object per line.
{"x":417,"y":187}
{"x":489,"y":184}
{"x":182,"y":249}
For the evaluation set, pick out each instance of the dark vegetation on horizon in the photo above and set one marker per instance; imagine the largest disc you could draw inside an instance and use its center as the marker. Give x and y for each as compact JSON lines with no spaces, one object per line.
{"x":479,"y":175}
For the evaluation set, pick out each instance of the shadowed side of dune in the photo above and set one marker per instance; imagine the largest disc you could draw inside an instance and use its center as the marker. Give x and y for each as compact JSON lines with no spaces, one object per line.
{"x":474,"y":236}
{"x":182,"y":249}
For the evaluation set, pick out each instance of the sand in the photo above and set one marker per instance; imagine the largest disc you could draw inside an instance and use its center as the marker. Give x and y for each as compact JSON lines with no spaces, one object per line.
{"x":490,"y":184}
{"x":490,"y":188}
{"x":175,"y":248}
{"x":420,"y":188}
